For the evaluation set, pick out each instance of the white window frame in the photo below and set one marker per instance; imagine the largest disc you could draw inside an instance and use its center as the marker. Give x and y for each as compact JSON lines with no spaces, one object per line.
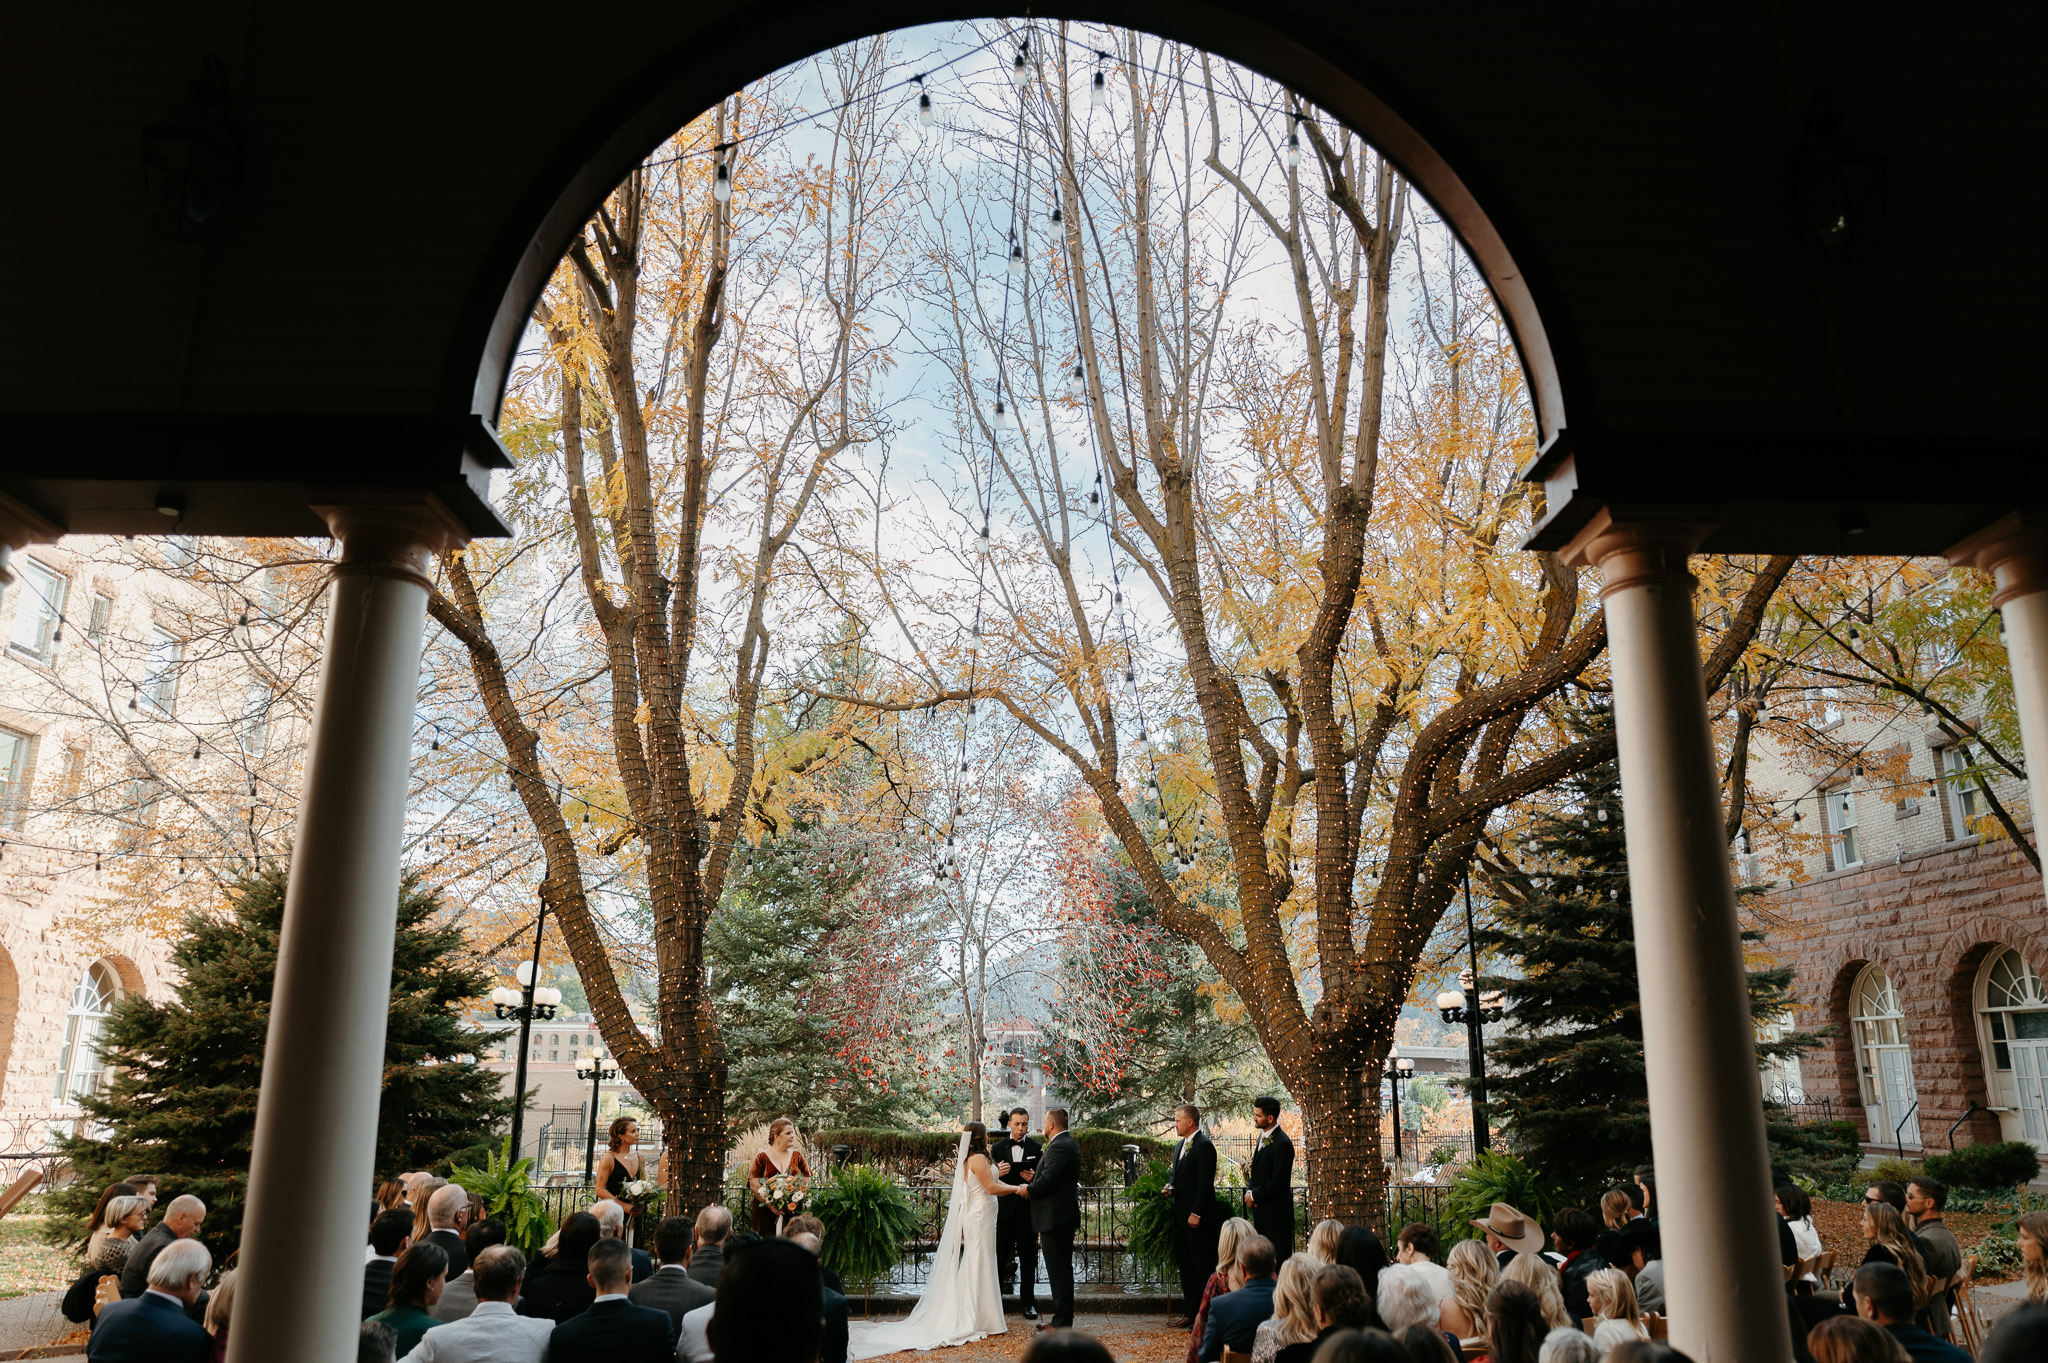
{"x":17,"y":775}
{"x":39,"y":611}
{"x":80,"y":1071}
{"x":1844,"y":841}
{"x":1963,"y":795}
{"x":160,"y":673}
{"x":181,"y":553}
{"x":1877,"y":1024}
{"x":101,"y":619}
{"x":2007,"y":988}
{"x":253,"y":733}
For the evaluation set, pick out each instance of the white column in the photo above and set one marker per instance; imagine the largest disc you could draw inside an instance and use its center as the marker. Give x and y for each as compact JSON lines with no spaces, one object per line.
{"x":1722,"y":1279}
{"x":299,"y":1291}
{"x":2015,"y":552}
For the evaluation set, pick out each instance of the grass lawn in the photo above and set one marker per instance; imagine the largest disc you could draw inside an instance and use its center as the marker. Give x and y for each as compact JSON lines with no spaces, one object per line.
{"x":29,"y":1264}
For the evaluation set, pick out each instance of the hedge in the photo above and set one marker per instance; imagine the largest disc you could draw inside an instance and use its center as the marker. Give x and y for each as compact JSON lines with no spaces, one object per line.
{"x":899,"y":1151}
{"x":1995,"y":1167}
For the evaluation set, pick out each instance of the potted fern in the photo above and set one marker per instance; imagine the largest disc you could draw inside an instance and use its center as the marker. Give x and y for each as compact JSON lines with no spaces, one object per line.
{"x":504,"y":1188}
{"x":867,"y":1222}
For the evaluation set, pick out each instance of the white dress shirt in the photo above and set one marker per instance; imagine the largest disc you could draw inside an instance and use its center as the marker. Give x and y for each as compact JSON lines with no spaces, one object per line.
{"x":492,"y":1333}
{"x":695,"y":1343}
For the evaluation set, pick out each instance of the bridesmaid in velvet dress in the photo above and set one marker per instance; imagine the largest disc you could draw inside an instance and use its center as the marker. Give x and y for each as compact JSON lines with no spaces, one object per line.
{"x":781,"y":1157}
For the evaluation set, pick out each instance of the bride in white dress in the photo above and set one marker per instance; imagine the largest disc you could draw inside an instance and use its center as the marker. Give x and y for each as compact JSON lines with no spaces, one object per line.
{"x":961,"y":1302}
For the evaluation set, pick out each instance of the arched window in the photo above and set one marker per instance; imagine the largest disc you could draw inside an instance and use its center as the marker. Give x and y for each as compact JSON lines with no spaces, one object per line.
{"x":1883,"y":1062}
{"x":2013,"y":1011}
{"x":79,"y":1071}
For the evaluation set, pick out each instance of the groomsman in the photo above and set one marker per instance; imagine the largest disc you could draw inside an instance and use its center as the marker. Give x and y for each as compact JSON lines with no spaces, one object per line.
{"x":1016,"y":1160}
{"x":1194,"y":1224}
{"x":1269,"y":1180}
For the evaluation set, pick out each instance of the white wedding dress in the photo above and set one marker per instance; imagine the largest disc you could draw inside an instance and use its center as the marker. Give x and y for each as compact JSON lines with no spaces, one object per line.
{"x":961,"y":1302}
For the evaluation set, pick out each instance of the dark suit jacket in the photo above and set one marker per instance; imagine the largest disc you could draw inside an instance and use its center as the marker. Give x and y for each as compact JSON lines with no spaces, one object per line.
{"x":458,"y":1257}
{"x":1306,"y":1350}
{"x":643,"y":1265}
{"x":832,"y":1346}
{"x":1055,"y":1195}
{"x":674,"y":1291}
{"x":147,"y":1329}
{"x":1194,"y":1180}
{"x":135,"y":1273}
{"x":706,"y":1263}
{"x":1270,"y":1179}
{"x":1234,"y":1317}
{"x":614,"y":1332}
{"x":1922,"y":1347}
{"x":556,"y":1294}
{"x":376,"y":1285}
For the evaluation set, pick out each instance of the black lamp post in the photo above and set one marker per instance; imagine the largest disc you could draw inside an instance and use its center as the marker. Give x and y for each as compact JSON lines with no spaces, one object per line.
{"x":1455,"y":1008}
{"x":1400,"y":1069}
{"x":596,"y":1074}
{"x":525,"y":1003}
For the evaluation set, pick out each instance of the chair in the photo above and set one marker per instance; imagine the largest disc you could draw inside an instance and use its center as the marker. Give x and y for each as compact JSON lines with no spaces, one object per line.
{"x":1658,"y":1327}
{"x":1231,"y":1355}
{"x":107,"y":1290}
{"x":1969,"y":1324}
{"x":1589,"y":1323}
{"x":1825,"y":1267}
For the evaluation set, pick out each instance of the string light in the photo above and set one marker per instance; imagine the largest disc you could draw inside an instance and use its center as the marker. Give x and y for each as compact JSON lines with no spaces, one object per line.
{"x":721,"y":182}
{"x":1098,"y":93}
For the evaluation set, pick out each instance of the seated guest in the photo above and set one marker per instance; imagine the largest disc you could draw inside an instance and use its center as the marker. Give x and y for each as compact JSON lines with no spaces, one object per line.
{"x":152,"y":1327}
{"x":1615,"y":1211}
{"x":1509,"y":1233}
{"x":492,"y":1332}
{"x":1573,"y":1232}
{"x":1926,"y":1198}
{"x":1426,"y":1344}
{"x":416,"y":1282}
{"x":1569,"y":1346}
{"x":1851,"y":1339}
{"x":119,"y":1232}
{"x":459,"y":1297}
{"x":390,"y":1236}
{"x":1359,"y":1250}
{"x":1322,"y":1242}
{"x":1540,"y":1276}
{"x":1886,"y":1191}
{"x":611,"y":1224}
{"x":1341,"y":1303}
{"x":220,"y":1310}
{"x":181,"y":1221}
{"x":770,"y":1306}
{"x":1474,"y":1274}
{"x":1642,"y":1248}
{"x":2021,"y":1337}
{"x":832,"y":1345}
{"x":1294,"y":1310}
{"x":562,"y":1289}
{"x":1234,"y":1317}
{"x":694,"y":1343}
{"x":806,"y":1224}
{"x":613,"y":1329}
{"x":447,"y":1214}
{"x":1419,"y":1247}
{"x":1403,"y":1298}
{"x":1516,"y":1324}
{"x":1890,"y":1243}
{"x":670,"y":1287}
{"x":1614,"y":1304}
{"x":714,"y":1224}
{"x":1067,"y":1346}
{"x":1223,"y":1279}
{"x":376,"y":1343}
{"x":1797,"y":1210}
{"x":1885,"y":1295}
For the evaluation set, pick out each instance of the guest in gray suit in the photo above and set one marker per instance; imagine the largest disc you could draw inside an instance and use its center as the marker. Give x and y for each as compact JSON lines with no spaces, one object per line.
{"x":714,"y":1225}
{"x":671,"y":1288}
{"x":458,"y":1298}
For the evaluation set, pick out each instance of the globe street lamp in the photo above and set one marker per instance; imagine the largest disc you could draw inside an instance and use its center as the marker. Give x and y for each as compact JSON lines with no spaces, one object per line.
{"x":1455,"y":1008}
{"x":596,"y":1074}
{"x":524,"y":1004}
{"x":1400,"y":1069}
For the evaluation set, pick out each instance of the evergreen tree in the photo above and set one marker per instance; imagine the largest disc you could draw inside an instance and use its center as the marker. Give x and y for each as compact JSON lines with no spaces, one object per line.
{"x":1135,"y":1025}
{"x":1566,"y":1079}
{"x":182,"y":1103}
{"x":784,"y":950}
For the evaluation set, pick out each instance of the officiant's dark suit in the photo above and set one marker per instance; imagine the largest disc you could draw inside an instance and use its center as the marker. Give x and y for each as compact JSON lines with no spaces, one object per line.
{"x":1016,"y":1240}
{"x":1054,"y":1194}
{"x":1269,"y":1181}
{"x":1193,"y":1185}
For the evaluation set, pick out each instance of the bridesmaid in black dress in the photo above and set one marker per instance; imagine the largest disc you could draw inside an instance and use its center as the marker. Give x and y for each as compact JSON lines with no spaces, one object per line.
{"x":621,"y":1163}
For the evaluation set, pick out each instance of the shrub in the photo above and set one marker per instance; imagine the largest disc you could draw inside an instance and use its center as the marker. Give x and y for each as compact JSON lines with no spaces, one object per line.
{"x":505,"y":1190}
{"x":1997,"y":1255}
{"x":1151,"y":1235}
{"x":1894,"y":1170}
{"x":1824,"y":1153}
{"x":1492,"y":1176}
{"x":867,"y":1222}
{"x":1994,"y":1167}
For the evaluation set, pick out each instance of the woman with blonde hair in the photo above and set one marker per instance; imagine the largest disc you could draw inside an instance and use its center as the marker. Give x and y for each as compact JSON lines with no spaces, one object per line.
{"x":1615,"y":1208}
{"x":1322,"y":1243}
{"x":1890,"y":1243}
{"x":1613,"y":1298}
{"x":2033,"y":1239}
{"x":219,"y":1307}
{"x":1852,"y":1339}
{"x":1540,"y":1276}
{"x":1474,"y":1273}
{"x":423,"y":1193}
{"x":120,"y":1227}
{"x":1294,"y":1311}
{"x":1225,"y":1278}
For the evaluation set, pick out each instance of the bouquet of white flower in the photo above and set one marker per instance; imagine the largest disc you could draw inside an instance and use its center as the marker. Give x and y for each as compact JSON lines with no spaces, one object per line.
{"x":644,"y":1193}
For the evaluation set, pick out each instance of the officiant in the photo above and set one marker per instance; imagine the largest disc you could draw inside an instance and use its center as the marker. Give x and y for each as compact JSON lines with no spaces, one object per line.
{"x":1016,"y":1160}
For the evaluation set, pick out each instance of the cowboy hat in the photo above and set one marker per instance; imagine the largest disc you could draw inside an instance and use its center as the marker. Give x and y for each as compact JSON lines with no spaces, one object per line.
{"x":1512,"y":1229}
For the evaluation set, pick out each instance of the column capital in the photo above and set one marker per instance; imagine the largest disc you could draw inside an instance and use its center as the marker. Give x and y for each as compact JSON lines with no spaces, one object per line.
{"x":394,"y":534}
{"x":2013,"y":549}
{"x":1630,"y":553}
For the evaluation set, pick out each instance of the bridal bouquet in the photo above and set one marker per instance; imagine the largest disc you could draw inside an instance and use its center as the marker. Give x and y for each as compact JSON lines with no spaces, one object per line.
{"x":644,"y":1194}
{"x":786,"y":1193}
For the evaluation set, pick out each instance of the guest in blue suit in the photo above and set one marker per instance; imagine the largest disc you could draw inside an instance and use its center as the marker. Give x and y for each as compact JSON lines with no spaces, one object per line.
{"x":153,"y":1328}
{"x":612,"y":1329}
{"x":1235,"y":1317}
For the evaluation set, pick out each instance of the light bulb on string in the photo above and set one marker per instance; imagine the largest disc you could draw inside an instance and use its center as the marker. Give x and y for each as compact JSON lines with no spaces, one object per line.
{"x":721,"y":183}
{"x":1098,"y":93}
{"x":1077,"y":388}
{"x":1017,"y":259}
{"x":1294,"y":145}
{"x":1056,"y":211}
{"x":1002,"y":420}
{"x":924,"y":109}
{"x":1020,"y":73}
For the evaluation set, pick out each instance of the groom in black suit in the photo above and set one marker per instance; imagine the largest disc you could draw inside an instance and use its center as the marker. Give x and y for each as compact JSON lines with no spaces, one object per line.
{"x":1054,"y":1194}
{"x":1269,"y":1182}
{"x":1193,"y":1224}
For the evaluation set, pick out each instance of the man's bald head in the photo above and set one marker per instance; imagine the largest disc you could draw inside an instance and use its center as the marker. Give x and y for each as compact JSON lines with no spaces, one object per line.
{"x":446,"y":1206}
{"x":714,"y":1224}
{"x":184,"y":1215}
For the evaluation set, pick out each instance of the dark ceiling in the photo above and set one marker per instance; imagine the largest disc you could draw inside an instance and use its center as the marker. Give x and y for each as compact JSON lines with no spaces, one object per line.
{"x":1643,"y":183}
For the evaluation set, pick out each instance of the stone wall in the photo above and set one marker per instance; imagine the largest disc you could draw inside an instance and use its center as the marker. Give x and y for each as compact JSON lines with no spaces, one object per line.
{"x":1930,"y":919}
